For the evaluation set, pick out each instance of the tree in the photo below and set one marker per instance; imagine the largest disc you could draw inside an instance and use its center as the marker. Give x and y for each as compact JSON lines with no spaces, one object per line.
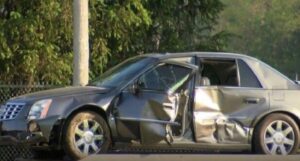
{"x":114,"y":26}
{"x":267,"y":29}
{"x":36,"y":36}
{"x":176,"y":26}
{"x":35,"y":41}
{"x":184,"y":25}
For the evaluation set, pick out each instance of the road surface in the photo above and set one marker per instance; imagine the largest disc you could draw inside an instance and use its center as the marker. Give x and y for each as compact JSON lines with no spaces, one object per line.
{"x":186,"y":157}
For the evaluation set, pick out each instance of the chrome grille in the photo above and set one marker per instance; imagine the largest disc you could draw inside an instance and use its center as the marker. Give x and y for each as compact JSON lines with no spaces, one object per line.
{"x":10,"y":111}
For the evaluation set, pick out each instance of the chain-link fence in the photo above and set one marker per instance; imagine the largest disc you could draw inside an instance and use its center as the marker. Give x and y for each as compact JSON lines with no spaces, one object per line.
{"x":13,"y":90}
{"x":12,"y":152}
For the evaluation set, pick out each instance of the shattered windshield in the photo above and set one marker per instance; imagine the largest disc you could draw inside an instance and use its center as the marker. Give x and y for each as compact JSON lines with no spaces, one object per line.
{"x":123,"y":72}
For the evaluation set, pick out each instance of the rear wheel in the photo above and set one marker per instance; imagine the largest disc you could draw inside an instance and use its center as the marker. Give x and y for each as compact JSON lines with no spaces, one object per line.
{"x":277,"y":134}
{"x":87,"y":133}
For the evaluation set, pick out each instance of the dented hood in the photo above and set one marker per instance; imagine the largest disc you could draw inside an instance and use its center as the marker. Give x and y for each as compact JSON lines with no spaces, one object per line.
{"x":67,"y":91}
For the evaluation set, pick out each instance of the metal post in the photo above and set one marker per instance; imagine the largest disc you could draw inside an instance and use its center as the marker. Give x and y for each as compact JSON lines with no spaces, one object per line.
{"x":80,"y":43}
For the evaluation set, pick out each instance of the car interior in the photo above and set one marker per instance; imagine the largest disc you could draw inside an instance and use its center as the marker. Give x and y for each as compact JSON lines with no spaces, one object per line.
{"x":215,"y":72}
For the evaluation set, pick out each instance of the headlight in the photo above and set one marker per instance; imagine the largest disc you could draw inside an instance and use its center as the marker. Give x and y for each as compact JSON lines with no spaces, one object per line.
{"x":39,"y":109}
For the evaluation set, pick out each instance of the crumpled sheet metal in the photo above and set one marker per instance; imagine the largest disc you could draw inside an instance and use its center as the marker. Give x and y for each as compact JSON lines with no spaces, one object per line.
{"x":211,"y":125}
{"x":155,"y":132}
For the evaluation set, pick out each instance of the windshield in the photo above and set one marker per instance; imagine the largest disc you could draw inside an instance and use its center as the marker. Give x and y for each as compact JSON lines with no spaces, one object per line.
{"x":123,"y":72}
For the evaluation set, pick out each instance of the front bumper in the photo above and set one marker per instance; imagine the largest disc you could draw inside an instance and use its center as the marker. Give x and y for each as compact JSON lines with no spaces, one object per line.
{"x":17,"y":132}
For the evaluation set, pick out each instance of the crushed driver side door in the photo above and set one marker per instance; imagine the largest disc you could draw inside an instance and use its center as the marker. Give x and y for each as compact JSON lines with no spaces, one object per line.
{"x":147,"y":114}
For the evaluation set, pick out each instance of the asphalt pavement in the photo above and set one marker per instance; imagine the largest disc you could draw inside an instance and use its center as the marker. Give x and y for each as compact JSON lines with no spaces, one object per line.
{"x":191,"y":157}
{"x":186,"y":157}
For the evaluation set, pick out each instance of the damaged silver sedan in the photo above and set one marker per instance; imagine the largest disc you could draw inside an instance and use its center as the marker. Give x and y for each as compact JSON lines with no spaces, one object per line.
{"x":189,"y":101}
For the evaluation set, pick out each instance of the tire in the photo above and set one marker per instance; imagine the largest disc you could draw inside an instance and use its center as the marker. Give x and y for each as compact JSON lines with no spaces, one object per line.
{"x":86,"y":133}
{"x":277,"y":134}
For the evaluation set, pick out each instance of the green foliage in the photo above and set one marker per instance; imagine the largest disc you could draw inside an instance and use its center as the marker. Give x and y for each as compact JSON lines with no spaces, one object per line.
{"x":36,"y":36}
{"x":35,"y":41}
{"x":183,"y":25}
{"x":112,"y":28}
{"x":267,"y":29}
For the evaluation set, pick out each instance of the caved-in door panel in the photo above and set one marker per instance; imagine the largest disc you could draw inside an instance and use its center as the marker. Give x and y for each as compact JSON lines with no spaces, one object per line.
{"x":137,"y":106}
{"x":149,"y":114}
{"x":148,"y":105}
{"x":206,"y":111}
{"x":224,"y":114}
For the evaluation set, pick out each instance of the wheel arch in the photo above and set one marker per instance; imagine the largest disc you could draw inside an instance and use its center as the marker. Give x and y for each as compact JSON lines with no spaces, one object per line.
{"x":288,"y":113}
{"x":86,"y":107}
{"x":263,"y":116}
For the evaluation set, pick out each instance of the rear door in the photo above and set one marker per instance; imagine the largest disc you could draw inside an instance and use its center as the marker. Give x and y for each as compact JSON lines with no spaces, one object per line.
{"x":227,"y":99}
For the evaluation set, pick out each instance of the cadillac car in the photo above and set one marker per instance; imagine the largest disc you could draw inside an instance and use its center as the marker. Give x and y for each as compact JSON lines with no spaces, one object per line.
{"x":198,"y":101}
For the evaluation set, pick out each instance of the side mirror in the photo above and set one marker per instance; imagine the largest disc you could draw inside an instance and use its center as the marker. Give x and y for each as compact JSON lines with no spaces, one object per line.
{"x":134,"y":88}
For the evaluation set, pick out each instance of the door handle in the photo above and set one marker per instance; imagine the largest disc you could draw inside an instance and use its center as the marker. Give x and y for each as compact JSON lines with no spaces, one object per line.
{"x":252,"y":100}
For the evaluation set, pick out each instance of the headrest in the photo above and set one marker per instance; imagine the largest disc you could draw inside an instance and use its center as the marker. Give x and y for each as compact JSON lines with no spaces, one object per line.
{"x":205,"y":81}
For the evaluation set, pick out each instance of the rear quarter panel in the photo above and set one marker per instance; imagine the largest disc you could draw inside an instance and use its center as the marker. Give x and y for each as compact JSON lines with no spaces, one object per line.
{"x":286,"y":101}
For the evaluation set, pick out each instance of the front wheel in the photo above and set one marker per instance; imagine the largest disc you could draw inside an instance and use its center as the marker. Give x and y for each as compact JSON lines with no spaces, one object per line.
{"x":277,"y":134}
{"x":87,"y":133}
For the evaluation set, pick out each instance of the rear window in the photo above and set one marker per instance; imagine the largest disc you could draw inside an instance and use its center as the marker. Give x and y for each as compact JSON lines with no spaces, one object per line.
{"x":247,"y":77}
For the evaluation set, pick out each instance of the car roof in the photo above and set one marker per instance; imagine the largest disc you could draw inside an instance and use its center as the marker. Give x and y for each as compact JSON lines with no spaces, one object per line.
{"x":199,"y":54}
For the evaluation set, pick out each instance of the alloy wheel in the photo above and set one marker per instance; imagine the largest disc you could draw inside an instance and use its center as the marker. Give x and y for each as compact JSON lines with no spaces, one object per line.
{"x":88,"y":137}
{"x":279,"y":138}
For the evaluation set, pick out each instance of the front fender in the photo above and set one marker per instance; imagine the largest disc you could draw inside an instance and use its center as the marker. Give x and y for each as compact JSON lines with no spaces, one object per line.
{"x":49,"y":126}
{"x":88,"y":106}
{"x":98,"y":102}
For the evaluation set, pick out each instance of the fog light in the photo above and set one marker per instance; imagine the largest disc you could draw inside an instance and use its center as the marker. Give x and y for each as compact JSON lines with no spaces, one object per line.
{"x":33,"y":126}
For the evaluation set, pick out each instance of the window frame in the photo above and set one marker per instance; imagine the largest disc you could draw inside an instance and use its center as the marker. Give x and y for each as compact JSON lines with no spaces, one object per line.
{"x":175,"y":59}
{"x":200,"y":59}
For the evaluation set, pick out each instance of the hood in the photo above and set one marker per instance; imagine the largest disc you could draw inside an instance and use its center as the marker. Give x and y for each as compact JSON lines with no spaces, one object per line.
{"x":59,"y":92}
